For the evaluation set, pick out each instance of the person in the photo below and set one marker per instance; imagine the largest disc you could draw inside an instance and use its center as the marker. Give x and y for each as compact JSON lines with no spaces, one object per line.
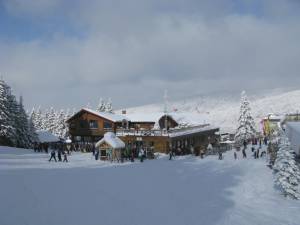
{"x":201,"y":153}
{"x":245,"y":144}
{"x":192,"y":149}
{"x":252,"y":149}
{"x":266,"y":141}
{"x":59,"y":155}
{"x":244,"y":153}
{"x":260,"y":143}
{"x":220,"y":155}
{"x":132,"y":155}
{"x":235,"y":155}
{"x":142,"y":153}
{"x":65,"y":157}
{"x":257,"y":153}
{"x":97,"y":154}
{"x":52,"y":156}
{"x":171,"y":154}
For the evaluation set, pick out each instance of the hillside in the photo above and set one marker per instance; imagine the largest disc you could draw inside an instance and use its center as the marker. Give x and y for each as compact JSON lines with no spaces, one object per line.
{"x":223,"y":111}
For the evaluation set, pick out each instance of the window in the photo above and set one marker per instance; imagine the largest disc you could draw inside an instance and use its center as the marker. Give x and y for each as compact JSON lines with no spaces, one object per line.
{"x":83,"y":124}
{"x":107,"y":125}
{"x":93,"y":124}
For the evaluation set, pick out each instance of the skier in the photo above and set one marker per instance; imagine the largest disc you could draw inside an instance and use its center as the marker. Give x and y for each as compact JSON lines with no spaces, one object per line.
{"x":235,"y":155}
{"x":65,"y":157}
{"x":244,"y":153}
{"x":59,"y":155}
{"x":52,"y":156}
{"x":220,"y":155}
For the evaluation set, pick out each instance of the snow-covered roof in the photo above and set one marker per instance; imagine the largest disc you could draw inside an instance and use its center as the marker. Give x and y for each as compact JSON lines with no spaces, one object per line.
{"x":188,"y":119}
{"x":191,"y":130}
{"x":46,"y":136}
{"x":144,"y":117}
{"x":112,"y":140}
{"x":109,"y":116}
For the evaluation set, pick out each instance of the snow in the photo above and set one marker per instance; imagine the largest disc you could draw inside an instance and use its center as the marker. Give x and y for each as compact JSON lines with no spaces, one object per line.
{"x":192,"y":130}
{"x":47,"y":136}
{"x":110,"y":116}
{"x":111,"y":139}
{"x":223,"y":111}
{"x":186,"y":190}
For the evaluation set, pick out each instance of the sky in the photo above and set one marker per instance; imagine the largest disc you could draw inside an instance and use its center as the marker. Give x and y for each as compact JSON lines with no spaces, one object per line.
{"x":67,"y":54}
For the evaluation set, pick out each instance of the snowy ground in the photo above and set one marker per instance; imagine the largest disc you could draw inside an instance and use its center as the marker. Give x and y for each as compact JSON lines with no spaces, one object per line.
{"x":185,"y":191}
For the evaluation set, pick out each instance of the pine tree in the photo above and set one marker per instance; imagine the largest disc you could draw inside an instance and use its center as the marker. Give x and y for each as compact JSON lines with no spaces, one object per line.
{"x":38,"y":120}
{"x":7,"y":131}
{"x":32,"y":130}
{"x":286,"y":171}
{"x":52,"y":121}
{"x":22,"y":127}
{"x":101,"y":106}
{"x":108,"y":106}
{"x":246,"y":126}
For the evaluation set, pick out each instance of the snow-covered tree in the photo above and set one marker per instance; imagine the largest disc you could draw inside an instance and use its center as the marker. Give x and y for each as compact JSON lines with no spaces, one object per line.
{"x":108,"y":106}
{"x":101,"y":106}
{"x":246,"y":125}
{"x":22,"y":127}
{"x":286,"y":171}
{"x":7,"y":130}
{"x":32,"y":130}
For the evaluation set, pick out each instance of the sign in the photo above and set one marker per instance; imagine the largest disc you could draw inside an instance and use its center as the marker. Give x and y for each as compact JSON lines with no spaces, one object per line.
{"x":139,"y":138}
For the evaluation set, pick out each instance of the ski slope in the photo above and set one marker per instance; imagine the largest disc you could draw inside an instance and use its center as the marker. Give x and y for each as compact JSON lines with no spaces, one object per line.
{"x":187,"y":190}
{"x":223,"y":111}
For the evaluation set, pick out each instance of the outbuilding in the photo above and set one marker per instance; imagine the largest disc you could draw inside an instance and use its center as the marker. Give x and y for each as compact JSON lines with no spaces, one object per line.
{"x":110,"y":147}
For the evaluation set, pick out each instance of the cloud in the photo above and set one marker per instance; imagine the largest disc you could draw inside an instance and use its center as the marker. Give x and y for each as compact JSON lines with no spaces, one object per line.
{"x":133,"y":50}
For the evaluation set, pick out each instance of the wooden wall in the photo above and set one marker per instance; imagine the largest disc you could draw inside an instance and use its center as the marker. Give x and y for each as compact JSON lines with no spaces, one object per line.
{"x":84,"y":118}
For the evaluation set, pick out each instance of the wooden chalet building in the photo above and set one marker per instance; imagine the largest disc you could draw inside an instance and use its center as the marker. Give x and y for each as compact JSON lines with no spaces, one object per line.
{"x":157,"y":131}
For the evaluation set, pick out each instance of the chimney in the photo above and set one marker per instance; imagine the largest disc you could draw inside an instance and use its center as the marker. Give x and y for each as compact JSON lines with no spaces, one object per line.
{"x":124,"y":111}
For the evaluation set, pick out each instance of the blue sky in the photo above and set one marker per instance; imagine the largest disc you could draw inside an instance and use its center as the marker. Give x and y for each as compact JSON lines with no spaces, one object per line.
{"x":67,"y":53}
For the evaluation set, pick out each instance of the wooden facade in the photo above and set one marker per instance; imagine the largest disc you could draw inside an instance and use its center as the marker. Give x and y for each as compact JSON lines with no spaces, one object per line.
{"x":86,"y":126}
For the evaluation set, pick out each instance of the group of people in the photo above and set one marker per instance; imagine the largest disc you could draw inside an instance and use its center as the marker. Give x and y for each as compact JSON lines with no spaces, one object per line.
{"x":59,"y":156}
{"x":256,"y":152}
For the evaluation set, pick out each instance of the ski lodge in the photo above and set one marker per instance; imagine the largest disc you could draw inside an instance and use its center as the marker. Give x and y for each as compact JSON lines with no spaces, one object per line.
{"x":159,"y":131}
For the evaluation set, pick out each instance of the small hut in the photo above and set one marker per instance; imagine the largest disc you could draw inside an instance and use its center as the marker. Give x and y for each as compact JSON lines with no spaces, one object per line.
{"x":110,"y":147}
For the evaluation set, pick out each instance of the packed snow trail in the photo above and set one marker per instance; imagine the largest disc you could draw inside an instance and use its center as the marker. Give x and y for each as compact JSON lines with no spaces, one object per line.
{"x":184,"y":191}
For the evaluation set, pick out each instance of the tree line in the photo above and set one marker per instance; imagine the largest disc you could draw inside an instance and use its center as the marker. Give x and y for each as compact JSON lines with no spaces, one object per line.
{"x":16,"y":128}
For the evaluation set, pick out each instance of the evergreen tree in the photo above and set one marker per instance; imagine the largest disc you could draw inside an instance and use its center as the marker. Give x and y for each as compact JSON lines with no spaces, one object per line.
{"x":287,"y":173}
{"x":108,"y":106}
{"x":101,"y":106}
{"x":7,"y":130}
{"x":32,"y":130}
{"x":61,"y":124}
{"x":22,"y":127}
{"x":45,"y":120}
{"x":246,"y":126}
{"x":38,"y":120}
{"x":52,"y":121}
